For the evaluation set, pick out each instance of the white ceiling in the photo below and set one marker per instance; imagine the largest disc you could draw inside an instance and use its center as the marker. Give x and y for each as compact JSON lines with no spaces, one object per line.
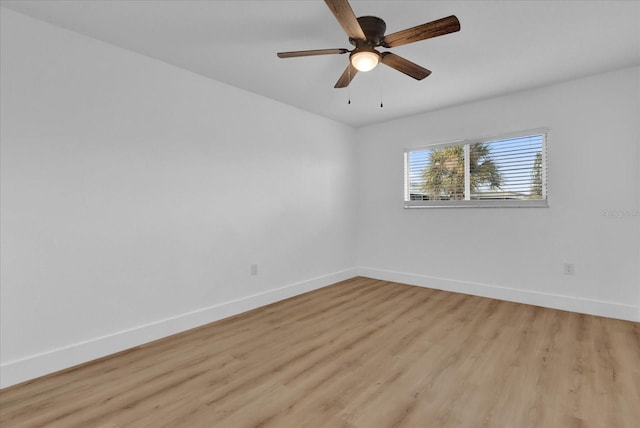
{"x":503,"y":46}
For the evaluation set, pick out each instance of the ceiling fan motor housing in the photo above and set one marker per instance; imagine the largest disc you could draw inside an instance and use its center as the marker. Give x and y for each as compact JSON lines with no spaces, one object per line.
{"x":373,"y":29}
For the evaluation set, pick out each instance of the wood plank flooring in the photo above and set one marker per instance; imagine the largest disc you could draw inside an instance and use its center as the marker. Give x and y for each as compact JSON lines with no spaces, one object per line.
{"x":360,"y":353}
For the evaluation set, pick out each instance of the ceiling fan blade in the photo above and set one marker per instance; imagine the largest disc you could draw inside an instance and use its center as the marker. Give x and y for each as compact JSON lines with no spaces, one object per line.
{"x":404,"y":66}
{"x":443,"y":26}
{"x":347,"y":19}
{"x":347,"y":76}
{"x":312,"y":52}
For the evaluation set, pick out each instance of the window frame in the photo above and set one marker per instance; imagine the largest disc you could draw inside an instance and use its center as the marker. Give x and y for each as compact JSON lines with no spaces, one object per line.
{"x":475,"y":203}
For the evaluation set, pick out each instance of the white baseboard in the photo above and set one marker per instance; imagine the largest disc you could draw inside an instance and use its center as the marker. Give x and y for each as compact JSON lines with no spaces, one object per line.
{"x":547,"y":300}
{"x":34,"y":366}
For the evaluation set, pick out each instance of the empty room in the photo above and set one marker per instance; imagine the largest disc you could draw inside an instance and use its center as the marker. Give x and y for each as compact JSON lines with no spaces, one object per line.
{"x":333,"y":213}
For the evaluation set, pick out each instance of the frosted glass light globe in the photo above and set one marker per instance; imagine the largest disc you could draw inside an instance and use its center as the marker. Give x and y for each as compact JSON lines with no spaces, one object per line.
{"x":365,"y":60}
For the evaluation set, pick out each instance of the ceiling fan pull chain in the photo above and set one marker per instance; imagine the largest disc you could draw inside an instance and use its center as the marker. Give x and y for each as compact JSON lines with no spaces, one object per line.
{"x":380,"y":75}
{"x":349,"y":87}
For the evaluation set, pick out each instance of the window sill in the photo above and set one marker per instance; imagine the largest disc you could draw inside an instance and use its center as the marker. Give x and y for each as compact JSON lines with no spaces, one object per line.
{"x":477,"y":204}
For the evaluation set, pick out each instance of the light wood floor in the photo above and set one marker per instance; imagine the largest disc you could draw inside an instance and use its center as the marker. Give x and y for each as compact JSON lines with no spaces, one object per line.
{"x":361,"y":353}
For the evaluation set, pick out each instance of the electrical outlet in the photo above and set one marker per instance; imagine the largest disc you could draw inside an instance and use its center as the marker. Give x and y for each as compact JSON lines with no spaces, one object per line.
{"x":254,"y":269}
{"x":569,"y":269}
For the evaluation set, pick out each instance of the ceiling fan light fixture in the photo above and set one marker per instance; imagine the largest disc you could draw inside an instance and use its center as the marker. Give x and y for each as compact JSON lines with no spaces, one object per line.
{"x":367,"y":33}
{"x":364,"y":59}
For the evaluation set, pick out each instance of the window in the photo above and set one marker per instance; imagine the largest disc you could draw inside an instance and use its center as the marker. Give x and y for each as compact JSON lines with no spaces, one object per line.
{"x":506,"y":171}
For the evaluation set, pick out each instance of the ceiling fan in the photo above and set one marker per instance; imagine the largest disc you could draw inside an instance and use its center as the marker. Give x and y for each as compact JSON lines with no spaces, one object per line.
{"x":366,"y":33}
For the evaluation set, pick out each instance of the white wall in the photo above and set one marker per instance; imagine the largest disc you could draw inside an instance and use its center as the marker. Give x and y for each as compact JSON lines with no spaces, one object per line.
{"x":517,"y":254}
{"x":135,"y":196}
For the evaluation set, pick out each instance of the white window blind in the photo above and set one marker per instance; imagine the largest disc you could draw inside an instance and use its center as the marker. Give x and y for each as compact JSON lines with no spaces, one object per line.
{"x":502,"y":171}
